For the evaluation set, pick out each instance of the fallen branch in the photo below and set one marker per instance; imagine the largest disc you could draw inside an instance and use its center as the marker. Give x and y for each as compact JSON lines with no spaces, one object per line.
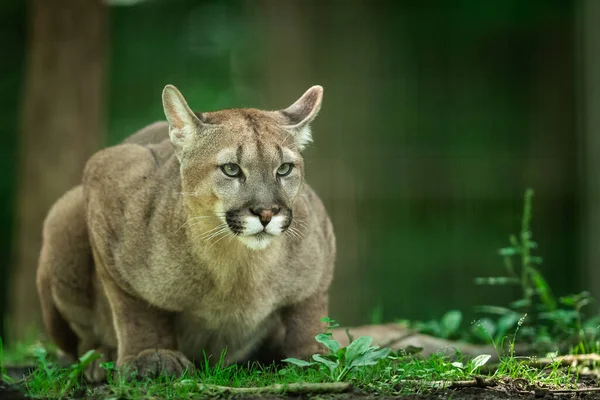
{"x":582,"y":390}
{"x":291,"y":388}
{"x":482,"y":382}
{"x":566,"y":360}
{"x":477,"y":382}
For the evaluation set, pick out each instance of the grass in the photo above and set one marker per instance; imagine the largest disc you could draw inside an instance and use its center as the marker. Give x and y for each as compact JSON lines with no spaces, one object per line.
{"x":384,"y":373}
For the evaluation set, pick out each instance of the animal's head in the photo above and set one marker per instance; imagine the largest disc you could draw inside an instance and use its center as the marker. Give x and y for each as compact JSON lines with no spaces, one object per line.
{"x":242,"y":168}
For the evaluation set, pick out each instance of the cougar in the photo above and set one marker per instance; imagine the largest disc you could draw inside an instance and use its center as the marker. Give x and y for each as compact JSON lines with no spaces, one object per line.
{"x":195,"y":237}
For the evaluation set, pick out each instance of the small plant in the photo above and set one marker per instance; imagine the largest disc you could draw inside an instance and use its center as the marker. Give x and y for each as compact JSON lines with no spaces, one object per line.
{"x":473,"y":366}
{"x":341,"y":360}
{"x":552,"y":322}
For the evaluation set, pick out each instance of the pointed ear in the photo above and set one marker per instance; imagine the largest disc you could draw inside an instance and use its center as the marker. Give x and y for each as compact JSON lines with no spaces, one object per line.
{"x":183,"y":123}
{"x":300,"y":114}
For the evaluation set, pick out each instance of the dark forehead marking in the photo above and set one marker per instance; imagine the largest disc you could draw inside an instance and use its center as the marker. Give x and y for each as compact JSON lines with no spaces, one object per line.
{"x":252,"y":123}
{"x":239,"y":153}
{"x":260,"y":149}
{"x":280,"y":152}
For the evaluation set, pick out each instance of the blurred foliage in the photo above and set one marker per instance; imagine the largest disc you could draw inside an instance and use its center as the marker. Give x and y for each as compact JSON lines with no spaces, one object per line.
{"x":436,"y":117}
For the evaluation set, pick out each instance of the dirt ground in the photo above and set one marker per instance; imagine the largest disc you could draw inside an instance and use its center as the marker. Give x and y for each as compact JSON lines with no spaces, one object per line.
{"x":471,"y":393}
{"x":10,"y":392}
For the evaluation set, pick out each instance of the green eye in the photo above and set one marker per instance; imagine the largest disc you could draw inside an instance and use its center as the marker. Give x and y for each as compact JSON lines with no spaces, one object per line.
{"x":285,"y":169}
{"x":231,"y":170}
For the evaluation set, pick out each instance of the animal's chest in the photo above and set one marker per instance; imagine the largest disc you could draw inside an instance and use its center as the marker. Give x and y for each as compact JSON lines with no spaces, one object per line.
{"x":238,"y":309}
{"x":217,"y":324}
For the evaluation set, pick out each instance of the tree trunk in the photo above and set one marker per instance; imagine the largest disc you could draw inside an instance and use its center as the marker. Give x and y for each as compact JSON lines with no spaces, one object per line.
{"x":61,"y":125}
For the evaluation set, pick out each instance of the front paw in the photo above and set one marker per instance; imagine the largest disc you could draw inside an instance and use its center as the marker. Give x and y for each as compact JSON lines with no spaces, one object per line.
{"x":154,"y":362}
{"x":306,"y":351}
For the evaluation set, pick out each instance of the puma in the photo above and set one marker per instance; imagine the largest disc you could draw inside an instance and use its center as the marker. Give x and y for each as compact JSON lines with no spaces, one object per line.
{"x":192,"y":237}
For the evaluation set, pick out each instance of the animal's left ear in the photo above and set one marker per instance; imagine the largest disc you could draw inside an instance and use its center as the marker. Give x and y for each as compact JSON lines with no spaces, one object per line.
{"x":183,"y":123}
{"x":300,"y":114}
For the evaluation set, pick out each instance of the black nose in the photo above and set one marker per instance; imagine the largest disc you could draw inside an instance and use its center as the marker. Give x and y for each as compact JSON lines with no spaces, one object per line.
{"x":265,"y":214}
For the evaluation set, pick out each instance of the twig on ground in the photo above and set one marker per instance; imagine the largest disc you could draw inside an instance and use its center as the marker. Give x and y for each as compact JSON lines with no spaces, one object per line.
{"x":581,"y":390}
{"x":566,"y":360}
{"x":477,"y":382}
{"x":291,"y":388}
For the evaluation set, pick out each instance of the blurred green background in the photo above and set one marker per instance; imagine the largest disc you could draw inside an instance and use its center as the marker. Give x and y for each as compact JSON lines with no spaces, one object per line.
{"x":437,"y":116}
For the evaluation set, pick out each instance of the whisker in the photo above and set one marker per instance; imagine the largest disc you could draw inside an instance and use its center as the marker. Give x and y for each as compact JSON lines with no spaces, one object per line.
{"x":221,"y":225}
{"x":218,"y":240}
{"x":195,"y":219}
{"x":294,"y":233}
{"x":300,"y":222}
{"x":204,"y":235}
{"x":209,"y":235}
{"x":298,"y":233}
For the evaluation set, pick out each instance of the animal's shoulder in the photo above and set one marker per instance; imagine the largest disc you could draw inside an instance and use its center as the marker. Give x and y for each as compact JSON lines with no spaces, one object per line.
{"x":119,"y":165}
{"x":119,"y":174}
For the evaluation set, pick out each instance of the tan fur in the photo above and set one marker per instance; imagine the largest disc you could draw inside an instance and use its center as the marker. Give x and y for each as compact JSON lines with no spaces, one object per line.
{"x":129,"y":266}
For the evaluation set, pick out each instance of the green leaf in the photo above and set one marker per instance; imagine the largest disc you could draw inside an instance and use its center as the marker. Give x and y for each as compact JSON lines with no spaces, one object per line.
{"x":451,"y":322}
{"x":506,"y":322}
{"x":331,"y":323}
{"x":543,"y":289}
{"x":508,"y":251}
{"x":89,"y":357}
{"x":84,"y":361}
{"x":521,"y":303}
{"x":479,"y":361}
{"x":514,"y":241}
{"x":331,"y":344}
{"x":108,"y":366}
{"x":360,"y":346}
{"x":484,"y":328}
{"x":536,"y":260}
{"x":496,"y":280}
{"x":370,"y":357}
{"x":570,"y":300}
{"x":577,"y":300}
{"x":298,"y":363}
{"x":493,"y":310}
{"x":332,"y":365}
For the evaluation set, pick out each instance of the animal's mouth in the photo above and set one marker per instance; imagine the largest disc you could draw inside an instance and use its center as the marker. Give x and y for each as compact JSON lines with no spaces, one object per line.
{"x":262,"y":235}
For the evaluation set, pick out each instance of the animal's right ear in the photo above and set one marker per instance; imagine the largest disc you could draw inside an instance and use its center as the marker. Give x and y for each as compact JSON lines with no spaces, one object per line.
{"x":183,"y":123}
